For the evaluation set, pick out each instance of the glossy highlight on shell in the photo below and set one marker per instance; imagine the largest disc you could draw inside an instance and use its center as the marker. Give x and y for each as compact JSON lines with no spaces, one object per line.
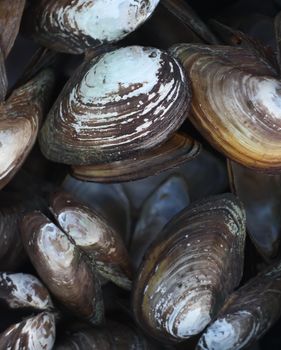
{"x":236,"y":102}
{"x":62,"y":267}
{"x":74,"y":26}
{"x":247,"y":314}
{"x":19,"y":290}
{"x":190,"y":271}
{"x":94,"y":236}
{"x":179,"y":149}
{"x":117,"y":105}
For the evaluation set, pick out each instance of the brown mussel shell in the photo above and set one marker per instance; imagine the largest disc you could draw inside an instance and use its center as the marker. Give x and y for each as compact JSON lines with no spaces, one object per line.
{"x":179,"y":149}
{"x":247,"y":314}
{"x":236,"y":103}
{"x":20,"y":290}
{"x":116,"y":106}
{"x":34,"y":333}
{"x":20,"y":117}
{"x":261,"y":195}
{"x":94,"y":236}
{"x":75,"y":26}
{"x":62,"y":267}
{"x":186,"y":276}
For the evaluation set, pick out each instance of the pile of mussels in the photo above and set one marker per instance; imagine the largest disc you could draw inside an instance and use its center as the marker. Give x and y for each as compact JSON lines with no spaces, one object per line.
{"x":140,"y":203}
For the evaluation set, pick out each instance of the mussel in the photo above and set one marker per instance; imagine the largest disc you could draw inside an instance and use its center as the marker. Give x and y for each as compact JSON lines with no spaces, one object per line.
{"x":74,"y":26}
{"x":236,"y":102}
{"x":186,"y":275}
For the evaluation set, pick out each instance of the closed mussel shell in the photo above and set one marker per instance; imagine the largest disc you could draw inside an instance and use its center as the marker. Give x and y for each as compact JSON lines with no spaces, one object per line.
{"x":186,"y":276}
{"x":34,"y":333}
{"x":247,"y":314}
{"x":19,"y":124}
{"x":117,"y":105}
{"x":159,"y":208}
{"x":236,"y":103}
{"x":91,"y":232}
{"x":62,"y":267}
{"x":74,"y":26}
{"x":20,"y":290}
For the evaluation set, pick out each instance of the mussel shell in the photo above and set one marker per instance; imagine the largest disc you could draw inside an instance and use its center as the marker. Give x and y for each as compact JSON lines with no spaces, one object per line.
{"x":19,"y":290}
{"x":178,"y":149}
{"x":186,"y":276}
{"x":115,"y":336}
{"x":109,"y":200}
{"x":3,"y":77}
{"x":236,"y":103}
{"x":92,"y":234}
{"x":74,"y":26}
{"x":62,"y":267}
{"x":247,"y":314}
{"x":34,"y":333}
{"x":158,"y":209}
{"x":10,"y":19}
{"x":184,"y":13}
{"x":116,"y":106}
{"x":19,"y":124}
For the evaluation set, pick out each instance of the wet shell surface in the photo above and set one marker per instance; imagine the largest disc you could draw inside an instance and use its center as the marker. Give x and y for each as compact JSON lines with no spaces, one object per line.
{"x":19,"y":290}
{"x":34,"y":333}
{"x":61,"y":266}
{"x":261,"y":195}
{"x":93,"y":235}
{"x":159,"y":208}
{"x":236,"y":103}
{"x":247,"y":315}
{"x":19,"y":122}
{"x":179,"y":149}
{"x":117,"y":105}
{"x":74,"y":26}
{"x":186,"y":276}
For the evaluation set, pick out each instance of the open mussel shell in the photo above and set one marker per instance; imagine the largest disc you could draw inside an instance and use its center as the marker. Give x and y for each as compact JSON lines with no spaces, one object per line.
{"x":34,"y":333}
{"x":20,"y":290}
{"x":186,"y":276}
{"x":178,"y":149}
{"x":158,"y":209}
{"x":261,"y":196}
{"x":74,"y":26}
{"x":62,"y":267}
{"x":19,"y":124}
{"x":94,"y":236}
{"x":110,"y":200}
{"x":236,"y":100}
{"x":247,"y":314}
{"x":116,"y":106}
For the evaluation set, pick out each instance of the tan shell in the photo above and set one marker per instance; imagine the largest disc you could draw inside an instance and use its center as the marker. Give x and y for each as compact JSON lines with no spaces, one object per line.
{"x":236,"y":103}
